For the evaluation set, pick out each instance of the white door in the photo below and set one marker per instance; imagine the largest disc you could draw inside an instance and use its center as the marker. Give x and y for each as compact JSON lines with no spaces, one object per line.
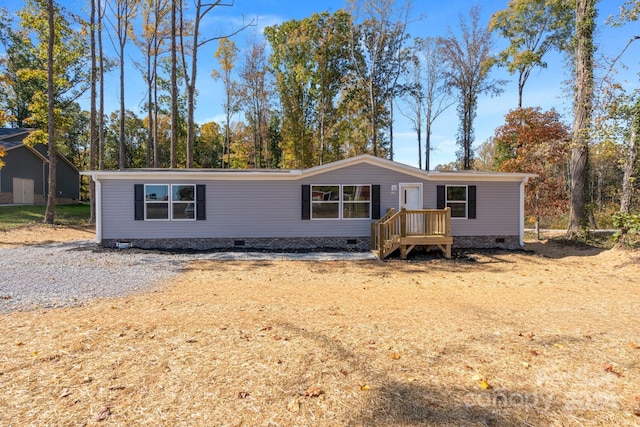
{"x":411,"y":199}
{"x":23,"y":191}
{"x":411,"y":196}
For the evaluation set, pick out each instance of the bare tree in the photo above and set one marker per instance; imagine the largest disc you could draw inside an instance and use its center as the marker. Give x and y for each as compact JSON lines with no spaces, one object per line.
{"x":413,"y":96}
{"x":436,"y":94}
{"x":256,"y":98}
{"x":149,"y":42}
{"x":582,"y":109}
{"x":469,"y":60}
{"x":124,"y":12}
{"x":189,"y":72}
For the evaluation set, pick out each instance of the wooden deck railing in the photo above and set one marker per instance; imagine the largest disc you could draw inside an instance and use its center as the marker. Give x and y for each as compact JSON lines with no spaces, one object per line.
{"x":407,"y":228}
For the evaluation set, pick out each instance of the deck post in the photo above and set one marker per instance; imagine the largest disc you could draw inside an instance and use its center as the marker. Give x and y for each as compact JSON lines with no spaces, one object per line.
{"x":381,"y":241}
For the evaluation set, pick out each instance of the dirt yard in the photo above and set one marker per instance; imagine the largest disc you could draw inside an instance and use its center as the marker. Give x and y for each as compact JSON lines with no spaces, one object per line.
{"x":543,"y":338}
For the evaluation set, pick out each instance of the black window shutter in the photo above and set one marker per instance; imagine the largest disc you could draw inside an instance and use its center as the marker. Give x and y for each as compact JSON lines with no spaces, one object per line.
{"x":471,"y":202}
{"x":440,"y":197}
{"x":375,"y":202}
{"x":138,"y":202}
{"x":306,"y":202}
{"x":201,"y":213}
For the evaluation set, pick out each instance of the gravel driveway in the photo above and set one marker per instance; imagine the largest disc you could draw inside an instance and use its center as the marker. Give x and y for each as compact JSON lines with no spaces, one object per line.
{"x":67,"y":274}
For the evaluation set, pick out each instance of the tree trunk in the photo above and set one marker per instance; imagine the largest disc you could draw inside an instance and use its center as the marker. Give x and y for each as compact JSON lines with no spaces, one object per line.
{"x":101,"y":91}
{"x":49,"y":216}
{"x":427,"y":144}
{"x":585,"y":26}
{"x":92,"y":113}
{"x":121,"y":161}
{"x":391,"y":128}
{"x":156,"y":146}
{"x":174,"y":86}
{"x":190,"y":83}
{"x":149,"y":115}
{"x":629,"y":168}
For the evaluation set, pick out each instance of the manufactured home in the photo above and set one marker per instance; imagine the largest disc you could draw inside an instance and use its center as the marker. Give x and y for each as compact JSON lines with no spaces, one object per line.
{"x":353,"y":204}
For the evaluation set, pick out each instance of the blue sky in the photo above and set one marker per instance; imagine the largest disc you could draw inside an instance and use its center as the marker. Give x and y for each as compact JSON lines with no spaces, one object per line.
{"x":545,"y":87}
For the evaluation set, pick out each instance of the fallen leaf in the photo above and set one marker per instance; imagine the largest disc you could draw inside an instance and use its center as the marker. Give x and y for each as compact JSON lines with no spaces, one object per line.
{"x":314,"y":391}
{"x":395,"y":356}
{"x":294,"y":405}
{"x":35,"y":353}
{"x":243,"y":394}
{"x":634,"y":345}
{"x":365,"y":387}
{"x":529,"y":335}
{"x":19,"y":343}
{"x":103,"y":414}
{"x":484,"y":385}
{"x":609,"y":368}
{"x":534,"y":353}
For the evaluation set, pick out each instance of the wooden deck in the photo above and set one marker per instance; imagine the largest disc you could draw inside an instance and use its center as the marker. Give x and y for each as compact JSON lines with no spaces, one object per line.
{"x":406,"y":229}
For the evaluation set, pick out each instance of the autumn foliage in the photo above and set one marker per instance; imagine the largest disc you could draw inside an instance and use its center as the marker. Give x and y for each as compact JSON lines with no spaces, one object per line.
{"x":533,"y":141}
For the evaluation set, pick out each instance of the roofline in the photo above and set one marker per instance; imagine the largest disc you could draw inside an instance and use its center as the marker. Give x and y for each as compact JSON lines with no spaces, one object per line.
{"x":33,"y":150}
{"x":43,"y":158}
{"x":11,"y":135}
{"x":294,"y":174}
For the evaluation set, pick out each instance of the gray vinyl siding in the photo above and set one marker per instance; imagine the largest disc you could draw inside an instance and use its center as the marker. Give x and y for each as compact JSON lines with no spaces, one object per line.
{"x":497,"y":209}
{"x":272,"y":208}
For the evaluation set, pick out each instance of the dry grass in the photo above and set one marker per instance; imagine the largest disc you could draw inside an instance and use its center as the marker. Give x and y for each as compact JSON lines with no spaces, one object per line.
{"x":503,"y":339}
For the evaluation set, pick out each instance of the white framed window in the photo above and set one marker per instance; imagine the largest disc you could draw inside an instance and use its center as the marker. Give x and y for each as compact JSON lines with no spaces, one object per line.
{"x":456,"y":199}
{"x":169,"y":202}
{"x":183,"y":202}
{"x":340,"y":202}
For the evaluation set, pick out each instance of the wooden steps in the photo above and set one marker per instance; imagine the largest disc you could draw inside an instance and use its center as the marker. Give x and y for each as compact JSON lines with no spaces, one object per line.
{"x":407,"y":229}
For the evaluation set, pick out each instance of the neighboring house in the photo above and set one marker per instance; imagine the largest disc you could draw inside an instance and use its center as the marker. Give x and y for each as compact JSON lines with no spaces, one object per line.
{"x":24,"y":179}
{"x":328,"y":206}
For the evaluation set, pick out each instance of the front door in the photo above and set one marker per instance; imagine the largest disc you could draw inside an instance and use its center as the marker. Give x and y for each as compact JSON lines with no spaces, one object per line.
{"x":23,"y":191}
{"x":411,"y":196}
{"x":411,"y":199}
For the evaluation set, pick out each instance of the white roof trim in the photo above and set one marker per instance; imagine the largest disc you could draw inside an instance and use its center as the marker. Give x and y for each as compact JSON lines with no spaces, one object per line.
{"x":294,"y":174}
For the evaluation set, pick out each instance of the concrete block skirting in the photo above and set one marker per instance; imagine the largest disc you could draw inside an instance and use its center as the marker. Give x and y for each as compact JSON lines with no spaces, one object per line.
{"x":487,"y":242}
{"x":359,"y":244}
{"x":298,"y":243}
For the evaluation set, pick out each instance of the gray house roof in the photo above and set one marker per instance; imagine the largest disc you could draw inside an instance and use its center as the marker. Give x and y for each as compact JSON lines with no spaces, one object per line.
{"x":294,"y":174}
{"x":12,"y":138}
